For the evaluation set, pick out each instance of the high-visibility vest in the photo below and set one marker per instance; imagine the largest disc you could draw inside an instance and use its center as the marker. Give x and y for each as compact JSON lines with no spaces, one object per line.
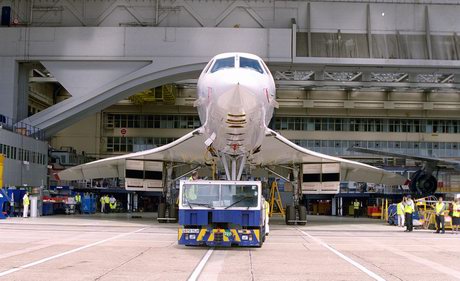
{"x":267,"y":208}
{"x":400,"y":209}
{"x":439,"y":207}
{"x":409,"y":209}
{"x":25,"y":200}
{"x":107,"y":200}
{"x":78,"y":198}
{"x":113,"y":205}
{"x":455,"y":210}
{"x":102,"y":200}
{"x":356,"y":205}
{"x":191,"y":191}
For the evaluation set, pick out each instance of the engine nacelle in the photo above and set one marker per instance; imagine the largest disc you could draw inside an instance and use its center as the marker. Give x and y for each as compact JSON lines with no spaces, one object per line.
{"x":423,"y":184}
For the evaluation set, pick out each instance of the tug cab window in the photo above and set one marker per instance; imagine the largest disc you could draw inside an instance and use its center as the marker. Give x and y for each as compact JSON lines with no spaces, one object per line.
{"x":251,"y":64}
{"x":223,"y":63}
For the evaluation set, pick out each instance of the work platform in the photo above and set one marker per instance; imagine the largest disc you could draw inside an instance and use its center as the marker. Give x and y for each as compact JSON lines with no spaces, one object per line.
{"x":117,"y":247}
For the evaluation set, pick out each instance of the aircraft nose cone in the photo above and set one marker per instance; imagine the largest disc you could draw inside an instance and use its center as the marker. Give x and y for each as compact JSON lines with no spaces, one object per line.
{"x":237,"y":100}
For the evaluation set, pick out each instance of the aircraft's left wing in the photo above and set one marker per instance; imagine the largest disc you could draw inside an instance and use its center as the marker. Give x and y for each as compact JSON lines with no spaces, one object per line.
{"x":276,"y":150}
{"x":187,"y":149}
{"x":429,"y":159}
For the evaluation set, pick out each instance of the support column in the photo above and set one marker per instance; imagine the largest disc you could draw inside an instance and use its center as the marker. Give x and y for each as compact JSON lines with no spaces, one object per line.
{"x":369,"y":32}
{"x":340,"y":207}
{"x":293,"y":40}
{"x":23,"y":92}
{"x":334,"y":206}
{"x":309,"y":54}
{"x":428,"y":34}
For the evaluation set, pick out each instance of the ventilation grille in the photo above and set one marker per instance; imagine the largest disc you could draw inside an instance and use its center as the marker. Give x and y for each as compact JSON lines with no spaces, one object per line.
{"x":236,"y":121}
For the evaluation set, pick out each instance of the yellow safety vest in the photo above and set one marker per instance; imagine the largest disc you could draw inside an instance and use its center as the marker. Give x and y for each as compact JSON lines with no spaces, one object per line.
{"x":267,"y":208}
{"x":356,"y":205}
{"x":455,"y":210}
{"x":439,"y":207}
{"x":107,"y":200}
{"x":400,"y":209}
{"x":78,"y":198}
{"x":408,"y":209}
{"x":191,"y":191}
{"x":25,"y":201}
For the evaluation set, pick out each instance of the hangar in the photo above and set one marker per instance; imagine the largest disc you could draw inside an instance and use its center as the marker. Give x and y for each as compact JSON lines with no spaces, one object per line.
{"x":90,"y":80}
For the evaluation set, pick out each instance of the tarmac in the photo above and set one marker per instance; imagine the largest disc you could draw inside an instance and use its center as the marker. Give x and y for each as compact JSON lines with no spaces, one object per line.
{"x":118,"y":247}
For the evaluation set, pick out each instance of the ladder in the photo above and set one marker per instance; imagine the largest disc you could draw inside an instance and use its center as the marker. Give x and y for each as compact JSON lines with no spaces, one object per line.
{"x":275,"y":197}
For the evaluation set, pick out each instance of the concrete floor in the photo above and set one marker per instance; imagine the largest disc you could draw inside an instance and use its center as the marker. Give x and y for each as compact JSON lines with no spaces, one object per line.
{"x":115,"y":247}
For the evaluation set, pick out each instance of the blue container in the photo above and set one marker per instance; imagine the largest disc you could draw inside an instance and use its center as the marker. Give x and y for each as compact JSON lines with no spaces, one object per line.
{"x":88,"y":204}
{"x":48,"y":208}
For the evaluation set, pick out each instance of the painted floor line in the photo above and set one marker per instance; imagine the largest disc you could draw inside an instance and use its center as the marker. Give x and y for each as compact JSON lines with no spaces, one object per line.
{"x":354,"y":263}
{"x":199,"y":268}
{"x":16,"y":269}
{"x":434,"y":265}
{"x":47,"y":244}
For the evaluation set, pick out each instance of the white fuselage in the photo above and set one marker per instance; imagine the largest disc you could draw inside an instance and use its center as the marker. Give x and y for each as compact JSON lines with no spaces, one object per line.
{"x":235,"y":104}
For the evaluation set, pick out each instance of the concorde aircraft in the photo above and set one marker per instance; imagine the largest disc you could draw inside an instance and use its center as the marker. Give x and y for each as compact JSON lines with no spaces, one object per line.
{"x":235,"y":101}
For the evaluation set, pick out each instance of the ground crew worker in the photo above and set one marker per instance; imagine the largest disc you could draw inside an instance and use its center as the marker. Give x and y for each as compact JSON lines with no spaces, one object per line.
{"x":400,"y":211}
{"x":107,"y":202}
{"x":78,"y":203}
{"x":455,"y":215}
{"x":356,"y":206}
{"x":191,"y":192}
{"x":194,"y":176}
{"x":113,"y":203}
{"x":102,"y":200}
{"x":25,"y":204}
{"x":408,"y":210}
{"x":267,"y":216}
{"x":440,"y":207}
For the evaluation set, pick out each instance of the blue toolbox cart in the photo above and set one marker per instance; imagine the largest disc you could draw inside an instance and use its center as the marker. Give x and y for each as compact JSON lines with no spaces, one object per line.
{"x":88,"y":204}
{"x":4,"y":204}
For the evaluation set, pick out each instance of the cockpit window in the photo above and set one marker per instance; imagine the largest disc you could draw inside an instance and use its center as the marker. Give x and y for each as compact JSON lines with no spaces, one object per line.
{"x":223,"y":63}
{"x":250,"y":63}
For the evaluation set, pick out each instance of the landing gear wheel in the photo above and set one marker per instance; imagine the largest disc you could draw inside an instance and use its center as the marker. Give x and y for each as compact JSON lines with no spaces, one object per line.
{"x":161,"y":211}
{"x":173,"y":213}
{"x":302,"y":215}
{"x":290,"y":215}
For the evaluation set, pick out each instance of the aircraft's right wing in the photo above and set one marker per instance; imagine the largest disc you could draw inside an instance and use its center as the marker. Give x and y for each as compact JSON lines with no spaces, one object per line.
{"x":435,"y":160}
{"x":187,"y":149}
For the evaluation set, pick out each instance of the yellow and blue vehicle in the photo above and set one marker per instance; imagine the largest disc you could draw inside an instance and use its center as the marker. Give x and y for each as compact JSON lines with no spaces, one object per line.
{"x":221,"y":213}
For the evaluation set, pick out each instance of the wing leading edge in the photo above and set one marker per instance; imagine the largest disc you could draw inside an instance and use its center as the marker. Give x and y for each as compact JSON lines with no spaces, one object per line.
{"x":434,"y":160}
{"x":276,"y":150}
{"x":187,"y":149}
{"x":190,"y":148}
